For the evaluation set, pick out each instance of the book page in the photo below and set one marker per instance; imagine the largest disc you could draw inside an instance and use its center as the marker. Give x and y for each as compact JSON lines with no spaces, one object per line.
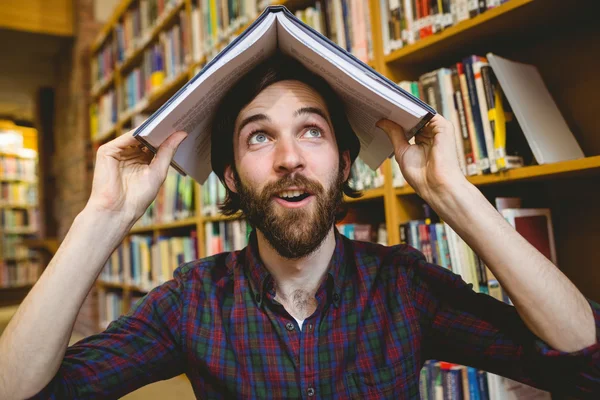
{"x":365,"y":97}
{"x":192,"y":109}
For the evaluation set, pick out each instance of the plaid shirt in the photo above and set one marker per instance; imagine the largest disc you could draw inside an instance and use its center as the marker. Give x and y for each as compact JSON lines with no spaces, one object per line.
{"x":382,"y":312}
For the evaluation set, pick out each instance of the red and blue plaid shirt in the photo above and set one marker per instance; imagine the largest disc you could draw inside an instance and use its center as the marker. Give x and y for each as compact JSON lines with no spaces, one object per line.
{"x":382,"y":312}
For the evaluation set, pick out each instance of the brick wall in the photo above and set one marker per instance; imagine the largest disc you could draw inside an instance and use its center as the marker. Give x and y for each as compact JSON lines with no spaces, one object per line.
{"x":72,"y":161}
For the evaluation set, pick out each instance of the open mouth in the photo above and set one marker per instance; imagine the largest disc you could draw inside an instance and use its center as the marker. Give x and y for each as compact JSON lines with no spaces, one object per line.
{"x":293,"y":196}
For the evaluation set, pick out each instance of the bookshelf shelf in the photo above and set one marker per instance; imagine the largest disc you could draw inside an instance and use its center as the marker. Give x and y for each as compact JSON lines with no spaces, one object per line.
{"x":16,"y":287}
{"x":110,"y":24}
{"x":494,"y":24}
{"x":21,"y":231}
{"x":16,"y":155}
{"x":102,"y":86}
{"x":162,"y":22}
{"x":219,"y":217}
{"x":50,"y":245}
{"x":20,"y":267}
{"x":153,"y":99}
{"x":546,"y":171}
{"x":17,"y":179}
{"x":192,"y":221}
{"x":121,"y":286}
{"x":368,"y":194}
{"x":15,"y":205}
{"x":110,"y":285}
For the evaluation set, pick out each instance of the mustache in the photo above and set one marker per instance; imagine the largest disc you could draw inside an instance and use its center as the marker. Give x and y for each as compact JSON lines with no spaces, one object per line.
{"x":287,"y":181}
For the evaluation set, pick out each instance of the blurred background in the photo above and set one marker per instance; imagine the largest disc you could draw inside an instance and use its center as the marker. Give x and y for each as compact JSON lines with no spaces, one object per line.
{"x":77,"y":73}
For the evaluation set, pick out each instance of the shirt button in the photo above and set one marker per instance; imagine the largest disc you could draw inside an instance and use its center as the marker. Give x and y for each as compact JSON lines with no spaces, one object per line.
{"x":289,"y":326}
{"x":310,"y":392}
{"x":258,"y":298}
{"x":310,"y":327}
{"x":336,"y":297}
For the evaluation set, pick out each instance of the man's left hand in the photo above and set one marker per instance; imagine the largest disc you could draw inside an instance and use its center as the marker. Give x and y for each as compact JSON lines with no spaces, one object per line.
{"x":430,"y":165}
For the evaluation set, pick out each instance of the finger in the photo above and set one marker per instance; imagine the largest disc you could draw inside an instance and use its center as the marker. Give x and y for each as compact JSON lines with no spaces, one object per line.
{"x":422,"y":139}
{"x":396,"y":135}
{"x":166,"y":151}
{"x":436,"y":125}
{"x":123,"y":141}
{"x":139,"y":154}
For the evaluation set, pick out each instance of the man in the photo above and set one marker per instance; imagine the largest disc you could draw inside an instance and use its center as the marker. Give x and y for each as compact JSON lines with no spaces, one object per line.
{"x":302,"y":312}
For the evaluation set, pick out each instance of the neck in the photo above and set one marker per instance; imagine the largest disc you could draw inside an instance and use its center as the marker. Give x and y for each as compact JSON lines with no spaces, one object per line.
{"x":299,"y":274}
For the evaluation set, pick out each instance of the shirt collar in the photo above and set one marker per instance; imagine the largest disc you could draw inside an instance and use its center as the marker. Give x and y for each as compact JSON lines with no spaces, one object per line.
{"x":260,"y":277}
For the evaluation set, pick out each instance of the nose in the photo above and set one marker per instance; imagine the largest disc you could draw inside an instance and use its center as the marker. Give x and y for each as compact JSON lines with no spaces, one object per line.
{"x":288,"y":156}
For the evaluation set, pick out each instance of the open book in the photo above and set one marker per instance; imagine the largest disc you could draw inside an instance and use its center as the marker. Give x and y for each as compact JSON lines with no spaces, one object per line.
{"x":367,"y":95}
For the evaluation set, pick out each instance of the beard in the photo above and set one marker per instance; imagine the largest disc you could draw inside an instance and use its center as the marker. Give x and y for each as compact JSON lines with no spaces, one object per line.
{"x":297,"y":232}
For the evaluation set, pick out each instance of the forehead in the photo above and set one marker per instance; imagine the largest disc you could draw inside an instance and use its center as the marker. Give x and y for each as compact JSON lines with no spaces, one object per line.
{"x":283,"y":93}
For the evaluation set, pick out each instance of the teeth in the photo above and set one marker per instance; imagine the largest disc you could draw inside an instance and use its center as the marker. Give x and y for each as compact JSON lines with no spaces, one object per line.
{"x":291,"y":193}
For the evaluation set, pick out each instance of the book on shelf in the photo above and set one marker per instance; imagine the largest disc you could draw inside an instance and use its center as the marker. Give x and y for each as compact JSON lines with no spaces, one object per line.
{"x":441,"y":245}
{"x":135,"y":26}
{"x":20,"y":266}
{"x":145,"y":262}
{"x":110,"y":305}
{"x":362,"y":177}
{"x":174,"y":201}
{"x":404,"y":22}
{"x":503,"y":115}
{"x":376,"y":233}
{"x":213,"y":194}
{"x":225,"y":236}
{"x":104,"y":114}
{"x":367,"y":95}
{"x":535,"y":225}
{"x":545,"y":128}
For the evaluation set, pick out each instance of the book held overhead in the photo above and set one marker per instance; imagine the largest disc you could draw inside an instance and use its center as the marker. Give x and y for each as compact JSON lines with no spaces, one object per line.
{"x":367,"y":95}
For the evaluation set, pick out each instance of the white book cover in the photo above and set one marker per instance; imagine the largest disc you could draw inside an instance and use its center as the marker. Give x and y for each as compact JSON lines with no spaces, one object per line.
{"x":545,"y":128}
{"x":367,"y":95}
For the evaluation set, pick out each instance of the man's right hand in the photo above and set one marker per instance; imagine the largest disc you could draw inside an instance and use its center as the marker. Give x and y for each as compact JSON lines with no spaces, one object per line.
{"x":127,"y":179}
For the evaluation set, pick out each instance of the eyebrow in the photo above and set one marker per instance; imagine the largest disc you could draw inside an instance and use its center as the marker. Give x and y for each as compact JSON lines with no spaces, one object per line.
{"x":252,"y":118}
{"x":312,"y":110}
{"x":299,"y":112}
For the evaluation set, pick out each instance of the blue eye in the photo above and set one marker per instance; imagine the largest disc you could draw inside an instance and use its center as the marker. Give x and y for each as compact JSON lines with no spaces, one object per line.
{"x":257,"y":138}
{"x":313,"y":133}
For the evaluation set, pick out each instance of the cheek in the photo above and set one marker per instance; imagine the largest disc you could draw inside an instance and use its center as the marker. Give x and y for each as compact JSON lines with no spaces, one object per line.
{"x":324,"y":166}
{"x":254,"y":169}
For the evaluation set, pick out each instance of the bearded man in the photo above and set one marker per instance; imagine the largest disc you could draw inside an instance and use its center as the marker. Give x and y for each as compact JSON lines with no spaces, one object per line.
{"x":301,"y":312}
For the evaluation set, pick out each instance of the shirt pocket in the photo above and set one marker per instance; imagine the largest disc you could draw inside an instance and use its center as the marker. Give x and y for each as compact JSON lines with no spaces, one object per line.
{"x":387,"y":382}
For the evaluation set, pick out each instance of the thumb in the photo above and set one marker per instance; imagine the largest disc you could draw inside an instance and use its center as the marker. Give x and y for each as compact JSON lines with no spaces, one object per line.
{"x":396,"y":134}
{"x":166,"y":151}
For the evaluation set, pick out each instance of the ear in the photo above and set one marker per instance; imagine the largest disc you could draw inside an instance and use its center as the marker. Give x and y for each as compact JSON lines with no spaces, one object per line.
{"x":229,"y":179}
{"x":347,"y":164}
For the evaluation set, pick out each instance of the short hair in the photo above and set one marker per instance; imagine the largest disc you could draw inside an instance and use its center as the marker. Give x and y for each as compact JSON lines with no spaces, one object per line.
{"x":275,"y":69}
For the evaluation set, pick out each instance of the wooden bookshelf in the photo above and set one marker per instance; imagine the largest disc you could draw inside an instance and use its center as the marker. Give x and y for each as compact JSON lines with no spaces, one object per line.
{"x":161,"y":24}
{"x":588,"y":165}
{"x":467,"y":31}
{"x":554,"y":35}
{"x":19,"y":267}
{"x":187,"y":222}
{"x":219,"y":218}
{"x":368,"y":194}
{"x":102,"y":86}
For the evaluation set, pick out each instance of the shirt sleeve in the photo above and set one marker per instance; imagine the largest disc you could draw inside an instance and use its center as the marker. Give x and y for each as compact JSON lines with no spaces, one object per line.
{"x":138,"y":348}
{"x":474,"y":329}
